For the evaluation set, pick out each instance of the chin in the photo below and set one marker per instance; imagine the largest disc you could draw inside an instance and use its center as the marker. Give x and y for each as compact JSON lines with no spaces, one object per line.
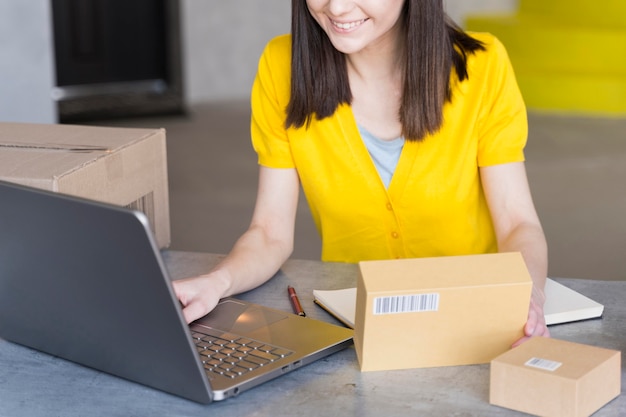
{"x":346,"y":46}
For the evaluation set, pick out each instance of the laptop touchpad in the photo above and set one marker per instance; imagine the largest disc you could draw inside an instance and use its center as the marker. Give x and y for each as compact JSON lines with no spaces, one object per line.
{"x":229,"y":315}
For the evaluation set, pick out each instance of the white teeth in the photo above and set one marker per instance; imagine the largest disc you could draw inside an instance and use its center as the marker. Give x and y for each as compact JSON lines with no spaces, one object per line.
{"x":348,"y":25}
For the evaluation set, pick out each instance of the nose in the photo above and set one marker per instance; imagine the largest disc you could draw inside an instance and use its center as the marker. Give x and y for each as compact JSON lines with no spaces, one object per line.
{"x":339,"y":7}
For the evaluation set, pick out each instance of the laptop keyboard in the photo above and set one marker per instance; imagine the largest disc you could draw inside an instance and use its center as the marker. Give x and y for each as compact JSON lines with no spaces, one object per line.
{"x":231,"y":355}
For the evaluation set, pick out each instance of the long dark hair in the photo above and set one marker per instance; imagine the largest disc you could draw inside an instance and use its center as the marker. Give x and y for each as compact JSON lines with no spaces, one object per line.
{"x":434,"y":45}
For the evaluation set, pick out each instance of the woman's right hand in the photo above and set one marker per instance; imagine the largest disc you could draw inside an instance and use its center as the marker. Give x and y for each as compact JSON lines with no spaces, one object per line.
{"x":199,"y":295}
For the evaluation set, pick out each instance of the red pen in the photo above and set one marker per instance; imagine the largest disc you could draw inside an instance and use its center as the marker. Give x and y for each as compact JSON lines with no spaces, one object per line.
{"x":295,"y":303}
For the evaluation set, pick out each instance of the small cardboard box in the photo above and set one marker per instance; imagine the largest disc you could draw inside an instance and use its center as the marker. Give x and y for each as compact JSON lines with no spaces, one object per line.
{"x":121,"y":166}
{"x":426,"y":312}
{"x":550,"y":377}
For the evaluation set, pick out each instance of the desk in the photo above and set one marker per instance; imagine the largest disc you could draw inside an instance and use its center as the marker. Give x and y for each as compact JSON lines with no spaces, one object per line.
{"x":36,"y":384}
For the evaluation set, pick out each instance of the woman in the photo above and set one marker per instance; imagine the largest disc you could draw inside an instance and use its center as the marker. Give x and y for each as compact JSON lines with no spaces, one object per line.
{"x":406,"y":135}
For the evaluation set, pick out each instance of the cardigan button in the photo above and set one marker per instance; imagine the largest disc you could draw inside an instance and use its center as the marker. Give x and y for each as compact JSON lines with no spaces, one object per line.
{"x":389,"y":206}
{"x":395,"y":235}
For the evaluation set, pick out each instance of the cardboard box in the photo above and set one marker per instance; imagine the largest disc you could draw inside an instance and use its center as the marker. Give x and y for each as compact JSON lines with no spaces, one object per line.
{"x":550,"y":377}
{"x":121,"y":166}
{"x":454,"y":310}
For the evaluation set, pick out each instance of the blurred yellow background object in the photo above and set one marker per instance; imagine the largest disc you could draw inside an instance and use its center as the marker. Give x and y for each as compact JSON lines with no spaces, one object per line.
{"x":569,"y":55}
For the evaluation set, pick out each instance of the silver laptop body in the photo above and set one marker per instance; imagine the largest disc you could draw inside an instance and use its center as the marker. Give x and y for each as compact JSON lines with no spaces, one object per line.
{"x":85,"y":281}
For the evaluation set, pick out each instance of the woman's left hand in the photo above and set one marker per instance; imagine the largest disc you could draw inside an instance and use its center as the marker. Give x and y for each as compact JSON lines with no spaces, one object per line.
{"x":536,"y":324}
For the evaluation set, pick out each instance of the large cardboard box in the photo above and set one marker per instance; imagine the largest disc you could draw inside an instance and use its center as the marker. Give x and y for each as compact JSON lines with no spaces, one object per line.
{"x":556,"y":378}
{"x":121,"y":166}
{"x":454,"y":310}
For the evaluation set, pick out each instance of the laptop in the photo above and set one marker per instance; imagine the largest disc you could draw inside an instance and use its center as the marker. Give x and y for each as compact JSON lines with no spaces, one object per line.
{"x":85,"y":281}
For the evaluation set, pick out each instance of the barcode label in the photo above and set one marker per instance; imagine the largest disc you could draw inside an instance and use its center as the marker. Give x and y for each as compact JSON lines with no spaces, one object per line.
{"x":544,"y":364}
{"x":406,"y":303}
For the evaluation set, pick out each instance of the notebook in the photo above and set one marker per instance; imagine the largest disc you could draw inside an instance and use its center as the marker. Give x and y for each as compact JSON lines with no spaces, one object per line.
{"x":562,"y":304}
{"x":85,"y":281}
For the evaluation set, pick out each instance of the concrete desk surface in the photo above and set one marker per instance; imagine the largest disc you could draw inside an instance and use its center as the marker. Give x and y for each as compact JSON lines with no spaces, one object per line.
{"x":36,"y":384}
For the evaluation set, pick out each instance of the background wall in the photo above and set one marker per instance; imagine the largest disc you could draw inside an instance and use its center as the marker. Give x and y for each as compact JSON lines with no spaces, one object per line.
{"x":26,"y":63}
{"x":224,"y":39}
{"x":222,"y":44}
{"x":458,"y":9}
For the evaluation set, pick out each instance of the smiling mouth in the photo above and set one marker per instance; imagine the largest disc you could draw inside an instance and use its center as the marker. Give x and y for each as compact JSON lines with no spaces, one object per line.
{"x":348,"y":25}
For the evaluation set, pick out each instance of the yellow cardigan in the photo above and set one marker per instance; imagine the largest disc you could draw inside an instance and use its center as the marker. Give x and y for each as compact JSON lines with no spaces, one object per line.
{"x":434,"y":205}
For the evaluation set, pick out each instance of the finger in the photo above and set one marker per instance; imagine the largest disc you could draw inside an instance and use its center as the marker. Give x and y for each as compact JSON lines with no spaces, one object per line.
{"x":520,"y":341}
{"x":531,"y":323}
{"x":532,"y":326}
{"x":542,"y":330}
{"x":194,"y":310}
{"x":179,"y":291}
